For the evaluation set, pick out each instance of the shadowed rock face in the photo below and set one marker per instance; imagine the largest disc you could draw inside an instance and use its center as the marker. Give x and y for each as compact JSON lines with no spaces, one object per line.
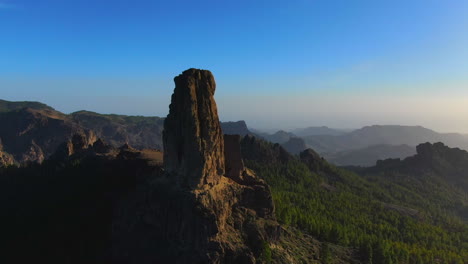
{"x":234,"y":162}
{"x":193,"y":141}
{"x":79,"y":144}
{"x":31,"y":135}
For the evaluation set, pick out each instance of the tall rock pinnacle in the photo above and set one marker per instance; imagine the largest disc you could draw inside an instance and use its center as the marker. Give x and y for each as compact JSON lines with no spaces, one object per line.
{"x":213,"y":209}
{"x":193,"y":140}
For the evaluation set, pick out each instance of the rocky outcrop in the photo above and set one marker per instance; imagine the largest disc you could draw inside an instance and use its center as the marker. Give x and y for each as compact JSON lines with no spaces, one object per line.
{"x":208,"y":207}
{"x":5,"y":158}
{"x":80,"y":144}
{"x":193,"y":141}
{"x":101,"y":147}
{"x":195,"y":155}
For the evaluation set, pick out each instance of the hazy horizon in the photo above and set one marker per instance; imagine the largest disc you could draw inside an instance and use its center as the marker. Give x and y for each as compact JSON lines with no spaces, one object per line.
{"x":277,"y":64}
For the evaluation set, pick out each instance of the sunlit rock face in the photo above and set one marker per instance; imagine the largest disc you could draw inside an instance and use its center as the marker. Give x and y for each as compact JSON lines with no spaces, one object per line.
{"x":193,"y":141}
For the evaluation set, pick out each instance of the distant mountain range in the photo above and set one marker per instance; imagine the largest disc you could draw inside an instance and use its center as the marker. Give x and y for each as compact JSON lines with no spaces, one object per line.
{"x":235,"y":128}
{"x":315,"y":131}
{"x":31,"y":131}
{"x":365,"y":146}
{"x":368,"y":156}
{"x":388,"y":135}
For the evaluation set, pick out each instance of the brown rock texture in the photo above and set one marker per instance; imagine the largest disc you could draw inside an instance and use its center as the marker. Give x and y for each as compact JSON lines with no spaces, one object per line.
{"x":193,"y":141}
{"x":196,"y":213}
{"x":5,"y":158}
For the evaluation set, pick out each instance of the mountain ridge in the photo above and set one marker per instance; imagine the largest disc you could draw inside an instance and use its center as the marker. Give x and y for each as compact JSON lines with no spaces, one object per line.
{"x":362,"y":146}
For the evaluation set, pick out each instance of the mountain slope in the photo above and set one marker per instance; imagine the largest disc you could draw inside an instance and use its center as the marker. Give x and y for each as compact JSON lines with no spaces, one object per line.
{"x":138,"y":131}
{"x":32,"y":135}
{"x":368,"y":156}
{"x":390,"y":215}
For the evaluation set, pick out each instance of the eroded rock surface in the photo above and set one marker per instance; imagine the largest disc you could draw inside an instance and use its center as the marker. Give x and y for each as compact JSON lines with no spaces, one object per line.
{"x":193,"y":141}
{"x":208,"y":207}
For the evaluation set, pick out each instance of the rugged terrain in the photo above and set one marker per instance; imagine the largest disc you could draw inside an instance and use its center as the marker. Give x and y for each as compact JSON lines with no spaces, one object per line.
{"x":32,"y":130}
{"x":121,"y":205}
{"x":235,"y":211}
{"x":211,"y":197}
{"x":361,"y":147}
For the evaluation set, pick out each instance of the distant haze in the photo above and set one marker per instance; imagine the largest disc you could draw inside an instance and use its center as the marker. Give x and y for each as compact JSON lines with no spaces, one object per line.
{"x":278,"y":64}
{"x":284,"y":109}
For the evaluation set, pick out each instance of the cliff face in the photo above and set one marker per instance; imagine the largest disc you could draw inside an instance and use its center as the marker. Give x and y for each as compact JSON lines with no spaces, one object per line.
{"x":207,"y":208}
{"x":193,"y":141}
{"x":238,"y":211}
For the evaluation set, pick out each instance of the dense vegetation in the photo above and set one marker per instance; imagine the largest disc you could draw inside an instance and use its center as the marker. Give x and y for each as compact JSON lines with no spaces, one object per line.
{"x":387,"y":216}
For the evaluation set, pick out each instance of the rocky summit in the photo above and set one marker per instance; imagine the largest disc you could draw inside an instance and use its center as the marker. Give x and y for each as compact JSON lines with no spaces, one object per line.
{"x":193,"y":141}
{"x":235,"y":211}
{"x":206,"y":206}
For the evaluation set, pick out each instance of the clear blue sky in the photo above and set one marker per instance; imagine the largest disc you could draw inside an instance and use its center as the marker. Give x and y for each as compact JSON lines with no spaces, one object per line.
{"x":277,"y":63}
